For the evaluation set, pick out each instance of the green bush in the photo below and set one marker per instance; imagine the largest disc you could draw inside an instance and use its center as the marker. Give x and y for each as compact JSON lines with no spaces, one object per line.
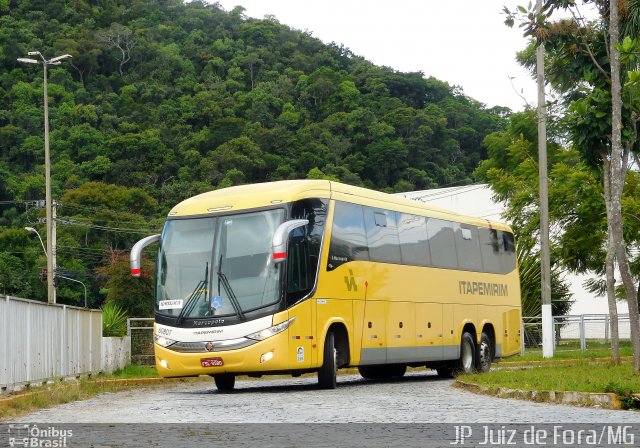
{"x":114,"y":321}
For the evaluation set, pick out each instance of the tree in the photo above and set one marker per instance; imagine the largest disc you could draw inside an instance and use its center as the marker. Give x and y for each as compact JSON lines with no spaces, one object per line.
{"x":134,"y":295}
{"x":578,"y":55}
{"x":121,"y":38}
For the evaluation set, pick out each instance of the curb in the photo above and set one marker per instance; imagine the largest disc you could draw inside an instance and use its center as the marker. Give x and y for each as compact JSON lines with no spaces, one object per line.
{"x":592,"y":399}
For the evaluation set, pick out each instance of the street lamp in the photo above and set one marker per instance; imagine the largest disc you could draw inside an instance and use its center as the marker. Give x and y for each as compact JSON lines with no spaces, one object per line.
{"x":51,"y":289}
{"x":83,"y":285}
{"x":31,"y":229}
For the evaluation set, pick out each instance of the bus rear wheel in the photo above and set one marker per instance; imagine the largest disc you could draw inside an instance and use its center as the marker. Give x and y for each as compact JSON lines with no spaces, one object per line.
{"x":468,"y":354}
{"x":225,"y":382}
{"x":485,"y":353}
{"x":329,"y":370}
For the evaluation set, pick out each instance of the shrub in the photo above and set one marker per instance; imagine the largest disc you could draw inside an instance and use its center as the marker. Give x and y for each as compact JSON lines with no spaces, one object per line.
{"x":114,"y":320}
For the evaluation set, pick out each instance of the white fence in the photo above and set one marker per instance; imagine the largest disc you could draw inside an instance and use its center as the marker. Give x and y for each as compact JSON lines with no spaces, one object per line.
{"x":39,"y":341}
{"x":580,"y":332}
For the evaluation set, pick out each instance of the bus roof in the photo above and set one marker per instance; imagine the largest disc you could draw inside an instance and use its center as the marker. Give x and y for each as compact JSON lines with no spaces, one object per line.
{"x":244,"y":197}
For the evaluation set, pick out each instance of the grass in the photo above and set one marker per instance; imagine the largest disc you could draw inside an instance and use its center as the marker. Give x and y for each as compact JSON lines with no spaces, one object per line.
{"x":571,"y":350}
{"x":582,"y":375}
{"x":59,"y":392}
{"x":579,"y":376}
{"x":134,"y":371}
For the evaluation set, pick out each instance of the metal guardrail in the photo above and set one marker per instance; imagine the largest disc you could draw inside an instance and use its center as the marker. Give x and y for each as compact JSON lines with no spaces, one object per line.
{"x":575,"y":332}
{"x":140,"y":331}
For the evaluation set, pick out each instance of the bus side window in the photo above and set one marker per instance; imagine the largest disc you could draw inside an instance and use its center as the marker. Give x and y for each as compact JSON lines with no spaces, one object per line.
{"x":490,"y":250}
{"x":303,"y":250}
{"x":414,"y":242}
{"x":468,"y":247}
{"x":442,"y":243}
{"x":298,"y":275}
{"x":508,"y":253}
{"x":382,"y":235}
{"x":348,"y":238}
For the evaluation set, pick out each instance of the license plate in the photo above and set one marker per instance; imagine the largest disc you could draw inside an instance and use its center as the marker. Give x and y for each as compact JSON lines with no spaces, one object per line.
{"x":211,"y":362}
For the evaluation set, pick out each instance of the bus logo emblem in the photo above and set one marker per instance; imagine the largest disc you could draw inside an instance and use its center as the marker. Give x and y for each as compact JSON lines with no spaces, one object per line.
{"x":350,"y":281}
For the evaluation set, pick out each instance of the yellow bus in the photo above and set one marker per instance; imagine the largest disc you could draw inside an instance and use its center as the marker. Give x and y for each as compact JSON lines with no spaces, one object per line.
{"x":303,"y":276}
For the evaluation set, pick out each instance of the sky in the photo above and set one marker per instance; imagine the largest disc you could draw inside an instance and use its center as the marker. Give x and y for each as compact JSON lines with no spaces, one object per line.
{"x":462,"y":42}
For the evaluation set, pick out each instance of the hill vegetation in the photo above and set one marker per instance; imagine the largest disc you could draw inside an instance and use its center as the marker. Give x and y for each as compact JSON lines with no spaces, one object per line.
{"x":164,"y":99}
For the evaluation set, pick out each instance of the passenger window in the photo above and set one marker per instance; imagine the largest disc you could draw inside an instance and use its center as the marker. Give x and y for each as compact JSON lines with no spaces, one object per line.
{"x":468,"y":248}
{"x":348,"y":237}
{"x":442,"y":245}
{"x":490,"y":250}
{"x":508,"y":258}
{"x":414,"y":243}
{"x":382,"y":235}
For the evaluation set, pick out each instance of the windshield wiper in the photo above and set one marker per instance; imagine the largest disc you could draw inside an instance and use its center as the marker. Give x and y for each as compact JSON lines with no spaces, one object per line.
{"x":192,"y":300}
{"x":222,"y":278}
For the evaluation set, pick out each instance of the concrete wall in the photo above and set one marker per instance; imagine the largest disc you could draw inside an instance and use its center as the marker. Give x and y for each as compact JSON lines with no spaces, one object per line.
{"x":116,"y":353}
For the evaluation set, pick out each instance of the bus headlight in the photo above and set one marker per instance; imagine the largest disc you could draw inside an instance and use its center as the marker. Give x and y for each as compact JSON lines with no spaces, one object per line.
{"x":271,"y":331}
{"x":161,"y":340}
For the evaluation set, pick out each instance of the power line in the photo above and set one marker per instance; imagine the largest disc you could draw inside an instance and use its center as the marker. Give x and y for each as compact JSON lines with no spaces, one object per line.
{"x":103,"y":209}
{"x":74,"y":222}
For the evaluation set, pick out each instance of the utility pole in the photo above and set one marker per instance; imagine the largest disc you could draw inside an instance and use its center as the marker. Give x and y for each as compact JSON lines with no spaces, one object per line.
{"x":54,"y":249}
{"x":51,"y":261}
{"x":545,"y":267}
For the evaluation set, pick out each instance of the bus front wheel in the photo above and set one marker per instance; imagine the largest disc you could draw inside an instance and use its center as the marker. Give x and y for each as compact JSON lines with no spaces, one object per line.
{"x":328,"y":372}
{"x":225,"y":382}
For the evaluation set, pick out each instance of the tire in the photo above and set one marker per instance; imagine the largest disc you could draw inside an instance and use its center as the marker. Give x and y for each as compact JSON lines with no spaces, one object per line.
{"x":468,"y":355}
{"x":396,"y":370}
{"x":369,"y":372}
{"x":485,"y":353}
{"x":328,"y":372}
{"x":225,"y":382}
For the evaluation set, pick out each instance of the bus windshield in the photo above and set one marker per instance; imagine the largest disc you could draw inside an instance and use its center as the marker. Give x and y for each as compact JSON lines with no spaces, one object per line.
{"x":218,"y":266}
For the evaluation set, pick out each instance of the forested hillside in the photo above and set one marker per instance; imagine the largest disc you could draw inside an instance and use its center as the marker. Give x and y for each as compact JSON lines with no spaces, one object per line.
{"x":163,"y":100}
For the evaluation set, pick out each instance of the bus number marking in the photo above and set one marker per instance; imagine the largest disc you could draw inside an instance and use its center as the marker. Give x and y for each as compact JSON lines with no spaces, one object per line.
{"x":164,"y":331}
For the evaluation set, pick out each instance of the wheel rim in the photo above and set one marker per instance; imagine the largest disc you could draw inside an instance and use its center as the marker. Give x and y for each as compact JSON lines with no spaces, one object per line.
{"x":485,"y":355}
{"x":467,"y":356}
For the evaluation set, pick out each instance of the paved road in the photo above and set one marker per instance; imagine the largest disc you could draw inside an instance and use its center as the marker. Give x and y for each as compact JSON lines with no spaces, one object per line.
{"x":419,"y":410}
{"x":419,"y":397}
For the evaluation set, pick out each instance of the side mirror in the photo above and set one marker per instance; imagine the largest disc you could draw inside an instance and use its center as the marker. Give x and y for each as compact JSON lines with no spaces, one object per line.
{"x":136,"y":253}
{"x":279,"y":241}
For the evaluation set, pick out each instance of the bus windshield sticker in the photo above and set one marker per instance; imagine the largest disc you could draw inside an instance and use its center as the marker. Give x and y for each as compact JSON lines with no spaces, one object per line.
{"x":216,"y":302}
{"x":170,"y":304}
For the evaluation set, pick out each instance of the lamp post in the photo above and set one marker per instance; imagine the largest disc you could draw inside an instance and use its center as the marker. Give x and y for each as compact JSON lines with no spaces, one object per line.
{"x":31,"y":229}
{"x":83,"y":285}
{"x":51,"y":290}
